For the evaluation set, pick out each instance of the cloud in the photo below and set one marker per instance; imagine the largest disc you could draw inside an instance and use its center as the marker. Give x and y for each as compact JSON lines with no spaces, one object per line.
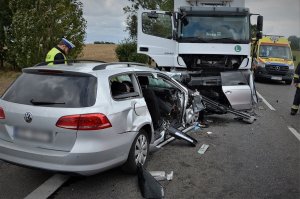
{"x":280,"y":17}
{"x":106,"y":19}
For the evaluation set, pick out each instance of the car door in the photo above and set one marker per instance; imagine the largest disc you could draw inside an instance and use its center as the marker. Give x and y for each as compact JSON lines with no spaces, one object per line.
{"x":128,"y":105}
{"x":237,"y":90}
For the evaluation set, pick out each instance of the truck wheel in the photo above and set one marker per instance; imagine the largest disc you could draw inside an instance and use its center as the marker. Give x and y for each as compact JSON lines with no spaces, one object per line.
{"x":288,"y":82}
{"x":138,"y":152}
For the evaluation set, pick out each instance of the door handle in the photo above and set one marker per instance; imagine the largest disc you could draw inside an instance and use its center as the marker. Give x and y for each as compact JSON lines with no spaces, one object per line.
{"x":144,"y":49}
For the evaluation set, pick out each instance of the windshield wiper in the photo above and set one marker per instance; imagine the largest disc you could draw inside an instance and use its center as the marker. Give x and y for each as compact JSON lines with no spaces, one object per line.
{"x":225,"y":39}
{"x":44,"y":102}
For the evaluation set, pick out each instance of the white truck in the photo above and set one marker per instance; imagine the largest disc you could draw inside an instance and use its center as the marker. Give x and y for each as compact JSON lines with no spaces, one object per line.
{"x":206,"y":44}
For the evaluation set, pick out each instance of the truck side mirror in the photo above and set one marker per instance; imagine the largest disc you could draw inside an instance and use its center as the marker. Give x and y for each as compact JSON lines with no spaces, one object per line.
{"x":175,"y":35}
{"x":260,"y":23}
{"x":259,"y":35}
{"x":184,"y":20}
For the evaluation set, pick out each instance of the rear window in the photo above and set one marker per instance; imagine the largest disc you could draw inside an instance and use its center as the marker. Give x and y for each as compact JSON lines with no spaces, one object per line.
{"x":53,"y":90}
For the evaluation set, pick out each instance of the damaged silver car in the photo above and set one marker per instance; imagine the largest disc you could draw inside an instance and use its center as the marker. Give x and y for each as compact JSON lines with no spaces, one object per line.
{"x":87,"y":117}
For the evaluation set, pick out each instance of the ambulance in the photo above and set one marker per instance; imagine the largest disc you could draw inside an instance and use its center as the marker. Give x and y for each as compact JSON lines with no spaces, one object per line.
{"x":272,"y":59}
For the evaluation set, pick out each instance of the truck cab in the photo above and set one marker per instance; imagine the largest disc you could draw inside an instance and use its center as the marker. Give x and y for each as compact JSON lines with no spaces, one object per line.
{"x":206,"y":43}
{"x":272,"y":59}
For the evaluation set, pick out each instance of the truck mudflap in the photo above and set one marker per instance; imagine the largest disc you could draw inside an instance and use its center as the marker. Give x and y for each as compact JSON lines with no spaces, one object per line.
{"x":217,"y":107}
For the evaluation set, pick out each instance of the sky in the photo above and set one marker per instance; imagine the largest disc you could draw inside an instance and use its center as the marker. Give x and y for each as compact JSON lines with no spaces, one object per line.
{"x":106,"y":19}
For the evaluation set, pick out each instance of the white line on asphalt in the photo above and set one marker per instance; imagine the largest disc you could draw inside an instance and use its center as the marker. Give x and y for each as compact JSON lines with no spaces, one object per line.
{"x":265,"y":101}
{"x":294,"y":131}
{"x":48,"y":187}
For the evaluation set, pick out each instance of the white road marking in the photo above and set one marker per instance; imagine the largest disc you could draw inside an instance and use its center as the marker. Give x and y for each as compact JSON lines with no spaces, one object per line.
{"x":266,"y":102}
{"x":294,"y":131}
{"x":48,"y":187}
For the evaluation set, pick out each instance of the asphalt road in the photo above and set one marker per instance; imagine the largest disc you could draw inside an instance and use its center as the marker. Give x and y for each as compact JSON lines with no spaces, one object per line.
{"x":259,"y":160}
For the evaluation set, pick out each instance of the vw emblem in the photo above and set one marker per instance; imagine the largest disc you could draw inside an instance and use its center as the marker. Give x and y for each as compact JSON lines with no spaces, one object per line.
{"x":28,"y":117}
{"x":277,"y":68}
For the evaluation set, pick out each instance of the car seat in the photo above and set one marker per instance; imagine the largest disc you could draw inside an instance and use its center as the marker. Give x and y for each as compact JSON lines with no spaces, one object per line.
{"x":118,"y":88}
{"x":151,"y":101}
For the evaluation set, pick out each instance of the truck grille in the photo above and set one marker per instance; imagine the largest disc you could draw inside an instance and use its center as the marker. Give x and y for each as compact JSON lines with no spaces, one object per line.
{"x":277,"y":69}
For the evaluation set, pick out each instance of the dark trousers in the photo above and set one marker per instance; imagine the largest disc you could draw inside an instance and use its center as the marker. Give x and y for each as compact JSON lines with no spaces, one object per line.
{"x":297,"y":99}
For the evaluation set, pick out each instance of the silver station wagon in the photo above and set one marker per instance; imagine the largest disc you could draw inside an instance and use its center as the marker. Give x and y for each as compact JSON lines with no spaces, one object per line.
{"x":87,"y":117}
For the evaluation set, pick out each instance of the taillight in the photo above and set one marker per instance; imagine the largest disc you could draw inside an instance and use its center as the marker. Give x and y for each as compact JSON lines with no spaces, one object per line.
{"x":94,"y":121}
{"x":2,"y":115}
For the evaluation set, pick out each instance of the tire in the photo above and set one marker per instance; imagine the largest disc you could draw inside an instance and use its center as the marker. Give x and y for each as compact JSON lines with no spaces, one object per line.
{"x":288,"y":82}
{"x":138,"y":153}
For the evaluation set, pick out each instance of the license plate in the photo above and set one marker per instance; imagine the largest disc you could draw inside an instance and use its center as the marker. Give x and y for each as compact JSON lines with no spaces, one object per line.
{"x":276,"y":77}
{"x":32,"y":135}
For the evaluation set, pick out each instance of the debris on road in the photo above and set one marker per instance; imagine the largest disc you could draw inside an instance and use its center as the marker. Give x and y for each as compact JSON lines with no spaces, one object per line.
{"x":203,"y":148}
{"x":213,"y":105}
{"x":149,"y":186}
{"x":181,"y":135}
{"x":161,"y":175}
{"x":209,"y":133}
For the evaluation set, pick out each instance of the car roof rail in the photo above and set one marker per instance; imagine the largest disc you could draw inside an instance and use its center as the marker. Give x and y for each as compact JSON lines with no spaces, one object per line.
{"x":69,"y":61}
{"x":121,"y":64}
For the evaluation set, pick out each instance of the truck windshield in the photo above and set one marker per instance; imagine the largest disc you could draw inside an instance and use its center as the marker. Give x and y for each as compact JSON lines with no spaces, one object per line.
{"x":216,"y":29}
{"x":272,"y":51}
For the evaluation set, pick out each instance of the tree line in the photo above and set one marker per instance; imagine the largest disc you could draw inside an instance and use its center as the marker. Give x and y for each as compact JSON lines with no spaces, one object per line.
{"x":29,"y":29}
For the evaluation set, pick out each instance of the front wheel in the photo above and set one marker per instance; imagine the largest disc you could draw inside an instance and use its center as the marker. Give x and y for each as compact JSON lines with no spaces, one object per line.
{"x":138,"y":152}
{"x":288,"y":82}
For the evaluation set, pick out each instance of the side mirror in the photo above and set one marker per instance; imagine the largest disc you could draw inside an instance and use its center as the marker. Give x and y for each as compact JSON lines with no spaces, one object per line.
{"x":259,"y":35}
{"x":260,"y":23}
{"x":175,"y":35}
{"x":184,"y":20}
{"x":294,"y":58}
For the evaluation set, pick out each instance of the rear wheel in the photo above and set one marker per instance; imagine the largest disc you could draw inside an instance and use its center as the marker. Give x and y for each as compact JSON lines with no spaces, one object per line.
{"x":138,"y":152}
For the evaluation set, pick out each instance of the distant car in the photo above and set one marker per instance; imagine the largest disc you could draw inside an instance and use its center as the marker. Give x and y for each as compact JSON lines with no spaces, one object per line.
{"x":88,"y":117}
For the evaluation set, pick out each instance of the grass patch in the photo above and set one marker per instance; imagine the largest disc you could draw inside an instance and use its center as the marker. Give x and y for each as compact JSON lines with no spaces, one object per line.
{"x":9,"y":74}
{"x":6,"y":78}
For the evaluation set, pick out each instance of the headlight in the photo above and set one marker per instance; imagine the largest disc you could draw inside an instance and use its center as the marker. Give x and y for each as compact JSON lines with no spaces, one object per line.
{"x":291,"y":67}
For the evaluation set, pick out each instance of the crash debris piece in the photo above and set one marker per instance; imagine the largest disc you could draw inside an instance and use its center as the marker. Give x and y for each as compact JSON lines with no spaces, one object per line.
{"x":181,"y":135}
{"x":209,"y":133}
{"x":149,"y":186}
{"x":162,"y":175}
{"x":170,"y":176}
{"x":203,"y":148}
{"x":213,"y":105}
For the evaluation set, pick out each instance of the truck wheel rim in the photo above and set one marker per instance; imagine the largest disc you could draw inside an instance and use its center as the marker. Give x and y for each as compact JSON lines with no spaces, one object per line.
{"x":141,"y":149}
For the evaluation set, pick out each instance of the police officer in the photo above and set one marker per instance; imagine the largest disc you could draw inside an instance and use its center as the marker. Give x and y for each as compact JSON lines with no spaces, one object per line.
{"x":57,"y":55}
{"x":296,"y":102}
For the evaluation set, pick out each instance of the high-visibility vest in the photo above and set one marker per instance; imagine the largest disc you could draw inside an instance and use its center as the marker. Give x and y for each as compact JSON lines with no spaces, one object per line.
{"x":51,"y":55}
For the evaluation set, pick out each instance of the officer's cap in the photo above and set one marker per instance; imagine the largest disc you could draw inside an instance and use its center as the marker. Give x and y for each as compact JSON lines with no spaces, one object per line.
{"x":67,"y":43}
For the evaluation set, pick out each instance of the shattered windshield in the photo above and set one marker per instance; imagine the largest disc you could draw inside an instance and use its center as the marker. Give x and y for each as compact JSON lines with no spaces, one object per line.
{"x":217,"y":29}
{"x":272,"y":51}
